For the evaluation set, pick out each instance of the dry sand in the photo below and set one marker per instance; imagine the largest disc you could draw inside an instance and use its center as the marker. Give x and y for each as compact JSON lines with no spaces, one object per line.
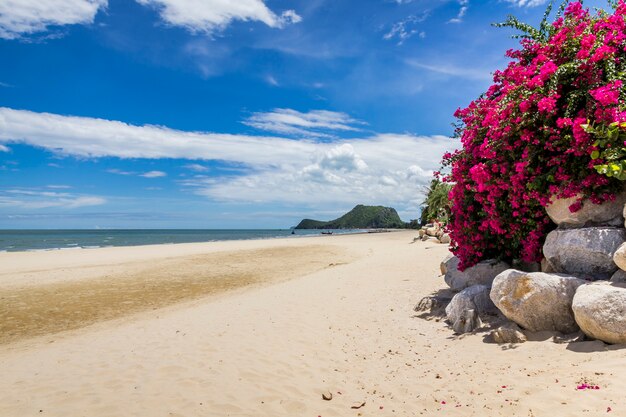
{"x":263,"y":328}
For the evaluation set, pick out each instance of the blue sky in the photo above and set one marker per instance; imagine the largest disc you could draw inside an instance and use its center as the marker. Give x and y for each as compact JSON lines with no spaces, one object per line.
{"x":233,"y":114}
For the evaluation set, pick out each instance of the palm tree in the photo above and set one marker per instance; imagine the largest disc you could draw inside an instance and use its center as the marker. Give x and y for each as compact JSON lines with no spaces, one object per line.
{"x":437,"y":203}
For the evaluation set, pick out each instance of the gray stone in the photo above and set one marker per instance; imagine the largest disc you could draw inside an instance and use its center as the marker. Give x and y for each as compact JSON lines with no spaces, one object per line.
{"x":450,"y":261}
{"x":474,"y":298}
{"x":482,"y":273}
{"x":445,"y":238}
{"x":608,"y":213}
{"x":619,"y":276}
{"x":508,"y":333}
{"x":421,"y":232}
{"x":433,"y":305}
{"x":600,"y":311}
{"x":576,"y":337}
{"x":587,"y":253}
{"x":467,"y":322}
{"x":535,"y":300}
{"x":425,"y":238}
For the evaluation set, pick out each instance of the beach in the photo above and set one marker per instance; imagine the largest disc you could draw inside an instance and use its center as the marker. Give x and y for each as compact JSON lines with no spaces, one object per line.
{"x":265,"y":328}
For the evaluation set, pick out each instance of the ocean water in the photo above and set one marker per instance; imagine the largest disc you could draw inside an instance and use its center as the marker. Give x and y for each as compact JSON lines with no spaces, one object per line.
{"x":33,"y":240}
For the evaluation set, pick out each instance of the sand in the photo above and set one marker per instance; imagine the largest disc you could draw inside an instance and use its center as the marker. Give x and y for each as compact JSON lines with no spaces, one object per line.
{"x":264,"y":328}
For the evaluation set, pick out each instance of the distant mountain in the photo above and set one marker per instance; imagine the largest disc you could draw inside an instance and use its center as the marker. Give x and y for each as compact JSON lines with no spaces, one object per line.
{"x":360,"y":217}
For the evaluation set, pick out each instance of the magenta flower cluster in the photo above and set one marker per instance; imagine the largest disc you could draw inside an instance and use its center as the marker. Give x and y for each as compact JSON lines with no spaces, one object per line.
{"x":523,"y":142}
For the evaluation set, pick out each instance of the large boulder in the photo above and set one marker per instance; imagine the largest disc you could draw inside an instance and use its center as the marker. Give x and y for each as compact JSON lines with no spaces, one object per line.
{"x":600,"y":311}
{"x":482,"y":273}
{"x":445,"y":238}
{"x":474,"y":298}
{"x":586,"y":253}
{"x":608,"y":213}
{"x":535,"y":300}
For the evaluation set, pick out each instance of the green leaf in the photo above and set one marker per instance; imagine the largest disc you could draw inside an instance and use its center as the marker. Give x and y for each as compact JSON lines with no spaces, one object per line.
{"x":595,"y":155}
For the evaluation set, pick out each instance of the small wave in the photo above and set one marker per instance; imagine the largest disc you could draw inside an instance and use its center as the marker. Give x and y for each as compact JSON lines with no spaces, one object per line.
{"x":91,"y":247}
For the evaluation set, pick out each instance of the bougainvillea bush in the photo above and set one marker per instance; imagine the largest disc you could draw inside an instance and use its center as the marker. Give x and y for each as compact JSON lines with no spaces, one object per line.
{"x":527,"y":139}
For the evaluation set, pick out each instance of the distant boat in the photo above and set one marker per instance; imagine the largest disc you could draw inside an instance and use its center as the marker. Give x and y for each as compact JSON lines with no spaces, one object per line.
{"x":327,"y":233}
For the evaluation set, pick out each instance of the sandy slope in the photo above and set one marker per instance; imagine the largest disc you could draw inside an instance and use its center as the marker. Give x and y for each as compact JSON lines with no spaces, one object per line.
{"x":271,"y":350}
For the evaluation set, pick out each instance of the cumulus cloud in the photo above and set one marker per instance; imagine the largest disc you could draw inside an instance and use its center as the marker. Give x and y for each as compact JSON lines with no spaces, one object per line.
{"x":35,"y":199}
{"x":24,"y":17}
{"x":315,"y":123}
{"x":208,"y":16}
{"x":378,"y":168}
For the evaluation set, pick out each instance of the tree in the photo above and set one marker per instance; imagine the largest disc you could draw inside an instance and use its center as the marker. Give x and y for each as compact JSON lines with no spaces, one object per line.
{"x":437,"y":204}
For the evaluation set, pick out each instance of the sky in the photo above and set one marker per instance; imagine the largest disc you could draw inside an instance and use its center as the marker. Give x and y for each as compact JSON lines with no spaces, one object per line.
{"x":234,"y":113}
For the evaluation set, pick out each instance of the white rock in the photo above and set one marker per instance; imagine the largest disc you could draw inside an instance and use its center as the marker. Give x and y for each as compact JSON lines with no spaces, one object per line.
{"x":608,"y":213}
{"x":445,"y":238}
{"x":432,"y":231}
{"x":586,"y":252}
{"x":474,"y":298}
{"x":535,"y":300}
{"x":482,"y":273}
{"x":600,"y":311}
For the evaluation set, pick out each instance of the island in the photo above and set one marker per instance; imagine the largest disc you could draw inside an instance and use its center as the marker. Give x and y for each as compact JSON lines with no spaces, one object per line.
{"x":360,"y":217}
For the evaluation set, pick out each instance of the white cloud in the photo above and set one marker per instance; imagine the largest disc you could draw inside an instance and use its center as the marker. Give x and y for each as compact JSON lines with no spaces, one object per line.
{"x":406,"y":28}
{"x":5,"y":84}
{"x":462,"y":11}
{"x":208,"y":16}
{"x":149,"y":174}
{"x":316,"y":123}
{"x":24,"y":17}
{"x":58,"y":187}
{"x":453,"y":70}
{"x":306,"y":171}
{"x":34,"y":199}
{"x":4,"y":149}
{"x":196,"y":167}
{"x":153,"y":174}
{"x":526,"y":3}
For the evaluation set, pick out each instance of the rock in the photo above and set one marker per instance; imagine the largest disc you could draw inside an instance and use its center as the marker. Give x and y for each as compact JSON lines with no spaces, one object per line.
{"x":535,"y":300}
{"x":482,"y":273}
{"x":619,"y":276}
{"x":474,"y":298}
{"x":432,"y":239}
{"x":421,"y":232}
{"x":526,"y":266}
{"x":508,"y":333}
{"x":434,"y":305}
{"x":432,"y":231}
{"x":608,"y":213}
{"x":327,"y":396}
{"x":586,"y":253}
{"x":445,"y":238}
{"x":425,"y":238}
{"x":467,"y":322}
{"x":600,"y":311}
{"x":449,"y":261}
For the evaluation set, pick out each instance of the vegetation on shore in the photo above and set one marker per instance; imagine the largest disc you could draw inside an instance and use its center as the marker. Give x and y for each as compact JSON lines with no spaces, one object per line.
{"x":360,"y":217}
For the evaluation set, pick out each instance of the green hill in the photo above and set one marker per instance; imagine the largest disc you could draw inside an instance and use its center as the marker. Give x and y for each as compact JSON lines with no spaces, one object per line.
{"x":360,"y":217}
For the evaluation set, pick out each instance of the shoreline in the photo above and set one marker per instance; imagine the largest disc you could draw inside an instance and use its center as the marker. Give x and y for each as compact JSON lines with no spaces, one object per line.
{"x":77,"y":246}
{"x":274,"y":347}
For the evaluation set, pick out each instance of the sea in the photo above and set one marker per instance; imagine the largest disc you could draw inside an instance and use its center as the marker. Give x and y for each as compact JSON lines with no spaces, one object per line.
{"x":44,"y":240}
